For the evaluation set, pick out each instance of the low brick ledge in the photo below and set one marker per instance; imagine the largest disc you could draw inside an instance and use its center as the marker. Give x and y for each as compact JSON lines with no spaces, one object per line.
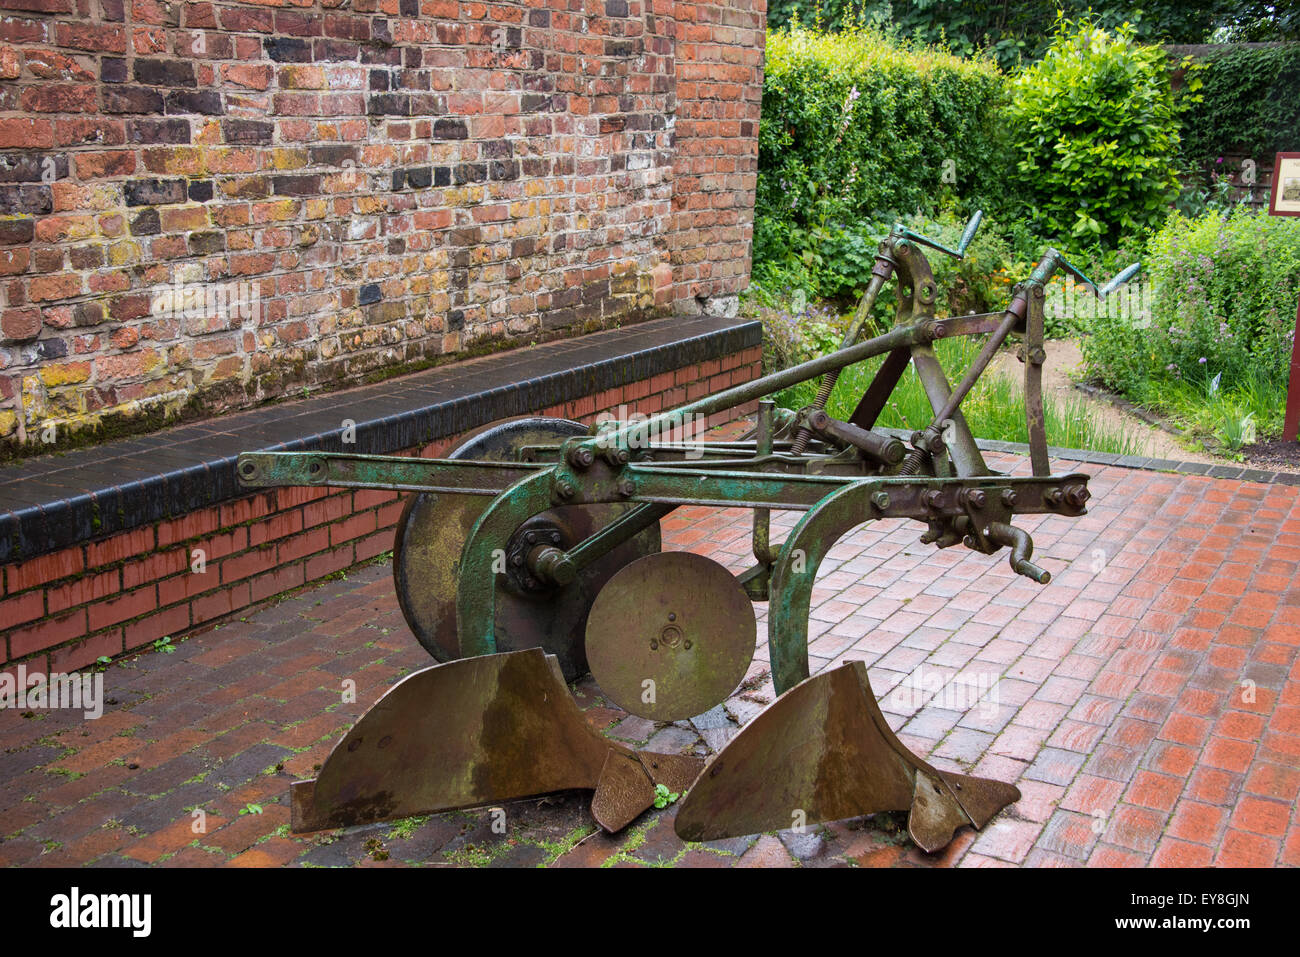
{"x":83,"y":590}
{"x":52,"y":502}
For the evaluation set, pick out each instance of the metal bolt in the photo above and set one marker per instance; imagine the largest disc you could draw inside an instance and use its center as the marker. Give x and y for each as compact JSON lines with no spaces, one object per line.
{"x":1053,"y":496}
{"x":976,"y":498}
{"x":581,"y":457}
{"x":933,"y":498}
{"x":1077,"y":495}
{"x":626,"y":488}
{"x":880,"y":500}
{"x":530,"y":538}
{"x":555,"y":538}
{"x":565,"y":489}
{"x":970,"y":542}
{"x":1009,"y":497}
{"x":551,"y":564}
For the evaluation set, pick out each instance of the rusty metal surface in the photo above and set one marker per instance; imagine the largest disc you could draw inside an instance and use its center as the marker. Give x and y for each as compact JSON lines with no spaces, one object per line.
{"x":965,"y":454}
{"x":884,"y":449}
{"x":671,"y":636}
{"x":434,"y":527}
{"x":1034,"y":356}
{"x":881,"y":388}
{"x":472,"y":732}
{"x":824,"y":752}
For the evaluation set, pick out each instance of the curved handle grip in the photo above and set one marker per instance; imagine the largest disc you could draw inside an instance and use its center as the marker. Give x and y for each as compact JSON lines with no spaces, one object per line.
{"x":1119,"y":280}
{"x":971,"y":228}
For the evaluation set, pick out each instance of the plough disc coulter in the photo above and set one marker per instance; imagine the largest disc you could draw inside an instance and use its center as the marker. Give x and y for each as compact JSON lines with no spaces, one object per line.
{"x":531,"y":554}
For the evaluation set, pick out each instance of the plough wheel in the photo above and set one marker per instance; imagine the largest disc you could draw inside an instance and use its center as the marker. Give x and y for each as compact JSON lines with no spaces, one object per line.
{"x":434,"y":526}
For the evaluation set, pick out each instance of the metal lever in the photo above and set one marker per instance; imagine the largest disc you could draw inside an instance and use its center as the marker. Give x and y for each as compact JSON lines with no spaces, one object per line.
{"x":1022,"y":546}
{"x":967,"y":235}
{"x":884,"y":449}
{"x":1054,"y":259}
{"x":1119,"y":280}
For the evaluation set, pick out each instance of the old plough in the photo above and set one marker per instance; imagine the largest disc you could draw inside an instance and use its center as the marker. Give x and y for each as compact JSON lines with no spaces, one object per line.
{"x":530,"y":556}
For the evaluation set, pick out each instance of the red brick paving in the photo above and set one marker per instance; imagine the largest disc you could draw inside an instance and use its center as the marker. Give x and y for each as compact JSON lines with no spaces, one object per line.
{"x":1147,"y":703}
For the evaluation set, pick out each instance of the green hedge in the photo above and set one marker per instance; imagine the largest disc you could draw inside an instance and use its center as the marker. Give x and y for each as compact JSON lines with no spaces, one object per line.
{"x":1249,"y":105}
{"x":858,"y":128}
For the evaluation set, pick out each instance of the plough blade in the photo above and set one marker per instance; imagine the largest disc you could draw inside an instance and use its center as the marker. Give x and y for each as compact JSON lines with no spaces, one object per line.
{"x":824,"y":752}
{"x":473,"y":732}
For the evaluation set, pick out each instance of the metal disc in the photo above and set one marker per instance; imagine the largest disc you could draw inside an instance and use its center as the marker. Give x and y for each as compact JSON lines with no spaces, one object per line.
{"x":679,"y":621}
{"x":432,"y":531}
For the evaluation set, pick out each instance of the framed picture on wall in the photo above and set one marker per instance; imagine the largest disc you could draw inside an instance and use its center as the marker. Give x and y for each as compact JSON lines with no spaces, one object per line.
{"x":1285,"y":199}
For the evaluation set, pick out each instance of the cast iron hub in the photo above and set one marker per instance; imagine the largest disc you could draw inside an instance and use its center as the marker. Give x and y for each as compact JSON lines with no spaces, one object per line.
{"x":529,"y":541}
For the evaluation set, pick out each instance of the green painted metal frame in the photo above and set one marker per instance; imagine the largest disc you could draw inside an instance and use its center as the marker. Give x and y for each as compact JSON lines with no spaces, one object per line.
{"x":962,"y":500}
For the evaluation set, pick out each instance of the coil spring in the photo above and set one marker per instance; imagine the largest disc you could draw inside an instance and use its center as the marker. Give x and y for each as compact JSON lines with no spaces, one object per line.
{"x":803,"y":434}
{"x":911,"y":465}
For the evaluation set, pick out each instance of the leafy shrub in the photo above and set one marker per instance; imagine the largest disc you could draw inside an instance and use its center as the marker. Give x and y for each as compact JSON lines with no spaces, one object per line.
{"x":794,"y":332}
{"x":1222,"y":304}
{"x":1095,"y":131}
{"x":858,"y":126}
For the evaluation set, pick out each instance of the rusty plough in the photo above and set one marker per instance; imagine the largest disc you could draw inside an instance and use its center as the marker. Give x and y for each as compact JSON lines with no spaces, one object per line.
{"x":530,"y":556}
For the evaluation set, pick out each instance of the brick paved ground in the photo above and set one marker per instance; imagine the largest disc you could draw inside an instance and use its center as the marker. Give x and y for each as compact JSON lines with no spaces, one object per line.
{"x":1147,"y":704}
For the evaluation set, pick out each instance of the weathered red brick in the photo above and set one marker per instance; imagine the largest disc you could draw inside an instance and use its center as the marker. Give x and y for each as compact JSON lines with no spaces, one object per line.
{"x":129,"y":605}
{"x":169,"y":623}
{"x":120,"y":546}
{"x":22,"y":608}
{"x":219,"y":603}
{"x":84,"y":653}
{"x":46,"y":634}
{"x":89,"y":587}
{"x":44,"y":568}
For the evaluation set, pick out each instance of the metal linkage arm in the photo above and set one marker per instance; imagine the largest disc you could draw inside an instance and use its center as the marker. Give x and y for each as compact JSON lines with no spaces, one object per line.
{"x":397,"y":472}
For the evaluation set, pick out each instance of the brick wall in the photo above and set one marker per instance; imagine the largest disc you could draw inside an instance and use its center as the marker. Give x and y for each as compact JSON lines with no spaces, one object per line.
{"x":204,"y":205}
{"x":64,"y":610}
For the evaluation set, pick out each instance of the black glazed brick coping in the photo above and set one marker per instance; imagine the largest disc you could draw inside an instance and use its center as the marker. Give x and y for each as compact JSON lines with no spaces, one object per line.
{"x":55,"y":501}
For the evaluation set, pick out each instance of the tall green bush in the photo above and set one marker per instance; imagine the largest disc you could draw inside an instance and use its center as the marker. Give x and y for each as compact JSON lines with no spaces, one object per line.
{"x":1095,"y":133}
{"x":858,"y":127}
